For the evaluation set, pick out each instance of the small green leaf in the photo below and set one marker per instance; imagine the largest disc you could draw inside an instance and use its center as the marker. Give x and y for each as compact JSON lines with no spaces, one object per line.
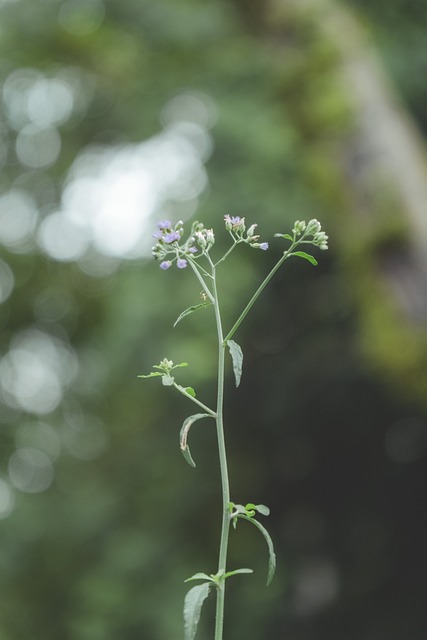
{"x":284,"y":235}
{"x":306,"y":256}
{"x":192,"y":608}
{"x":183,"y":435}
{"x":190,"y":391}
{"x":262,"y":509}
{"x":200,"y":576}
{"x":272,"y":555}
{"x":237,"y":358}
{"x":236,"y":571}
{"x":153,"y":374}
{"x":187,"y":312}
{"x":240,"y":508}
{"x":181,"y":364}
{"x":167,"y":380}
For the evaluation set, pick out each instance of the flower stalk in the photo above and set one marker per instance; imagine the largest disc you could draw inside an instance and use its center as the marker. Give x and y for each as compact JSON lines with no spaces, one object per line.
{"x":195,"y":252}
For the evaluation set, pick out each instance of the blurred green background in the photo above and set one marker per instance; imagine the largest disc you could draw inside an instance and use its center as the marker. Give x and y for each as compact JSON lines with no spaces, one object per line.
{"x":115,"y":113}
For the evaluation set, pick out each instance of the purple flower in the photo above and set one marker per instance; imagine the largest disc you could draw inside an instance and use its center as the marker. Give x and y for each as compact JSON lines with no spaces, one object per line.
{"x":263,"y":246}
{"x":171,"y":237}
{"x":192,"y":250}
{"x":234,"y":223}
{"x":165,"y":265}
{"x":181,"y":263}
{"x":164,"y":224}
{"x":158,"y":235}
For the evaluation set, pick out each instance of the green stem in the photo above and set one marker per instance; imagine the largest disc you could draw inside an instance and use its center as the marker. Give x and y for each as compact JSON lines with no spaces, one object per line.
{"x":195,"y":268}
{"x":225,"y":529}
{"x":187,"y":395}
{"x":233,"y":246}
{"x":258,"y":292}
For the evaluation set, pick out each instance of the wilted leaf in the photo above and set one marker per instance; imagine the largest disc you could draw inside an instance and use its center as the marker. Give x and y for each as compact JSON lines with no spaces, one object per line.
{"x":183,"y":435}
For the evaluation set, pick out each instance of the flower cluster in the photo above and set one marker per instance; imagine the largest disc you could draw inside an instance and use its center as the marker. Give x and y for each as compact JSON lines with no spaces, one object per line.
{"x":168,"y":237}
{"x":312,"y":228}
{"x":236,"y":227}
{"x":205,"y":238}
{"x":170,"y":249}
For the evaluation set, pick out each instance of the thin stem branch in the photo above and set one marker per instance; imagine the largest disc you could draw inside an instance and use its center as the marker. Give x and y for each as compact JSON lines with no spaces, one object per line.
{"x":227,"y":253}
{"x":195,"y":268}
{"x":259,"y":291}
{"x":190,"y":397}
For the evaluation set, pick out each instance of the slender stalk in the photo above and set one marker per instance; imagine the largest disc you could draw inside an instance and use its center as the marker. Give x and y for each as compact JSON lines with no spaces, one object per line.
{"x":187,"y":395}
{"x":233,"y":246}
{"x":225,"y":529}
{"x":258,"y":293}
{"x":199,"y":276}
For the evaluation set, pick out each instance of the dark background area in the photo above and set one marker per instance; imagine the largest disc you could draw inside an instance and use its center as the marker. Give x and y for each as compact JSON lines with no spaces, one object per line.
{"x":118,"y":113}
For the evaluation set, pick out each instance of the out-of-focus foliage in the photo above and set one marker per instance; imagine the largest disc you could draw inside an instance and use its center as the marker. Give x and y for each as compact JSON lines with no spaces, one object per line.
{"x":113,"y":114}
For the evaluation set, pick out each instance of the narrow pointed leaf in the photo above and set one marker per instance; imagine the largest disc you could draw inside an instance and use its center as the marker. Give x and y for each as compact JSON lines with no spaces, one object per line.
{"x":271,"y":554}
{"x":306,"y":256}
{"x":187,"y":312}
{"x":283,"y":235}
{"x":183,"y":435}
{"x":192,"y":608}
{"x":237,"y":358}
{"x":236,"y":571}
{"x":153,"y":374}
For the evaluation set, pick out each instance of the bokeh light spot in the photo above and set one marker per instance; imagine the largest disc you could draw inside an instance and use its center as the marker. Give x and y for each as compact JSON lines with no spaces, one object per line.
{"x":18,"y":218}
{"x":35,"y":371}
{"x":61,"y":239}
{"x":30,"y":470}
{"x":50,"y":101}
{"x":38,"y":147}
